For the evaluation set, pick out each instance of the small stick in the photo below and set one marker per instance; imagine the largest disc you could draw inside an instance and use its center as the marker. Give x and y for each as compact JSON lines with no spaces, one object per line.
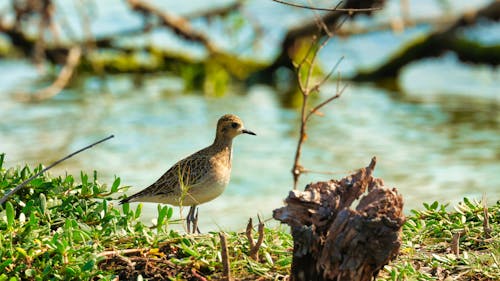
{"x":130,"y":264}
{"x":6,"y":196}
{"x":226,"y":269}
{"x":334,"y":9}
{"x":254,"y":247}
{"x":455,"y":244}
{"x":486,"y":223}
{"x":197,"y":275}
{"x":248,"y":233}
{"x":122,"y":252}
{"x":254,"y":253}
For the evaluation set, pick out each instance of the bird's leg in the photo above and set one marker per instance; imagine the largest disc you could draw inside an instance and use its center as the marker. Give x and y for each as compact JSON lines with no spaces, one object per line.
{"x":192,"y":217}
{"x":188,"y":218}
{"x":195,"y":221}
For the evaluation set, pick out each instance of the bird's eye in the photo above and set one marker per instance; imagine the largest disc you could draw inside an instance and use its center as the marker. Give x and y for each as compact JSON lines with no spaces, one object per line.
{"x":234,"y":125}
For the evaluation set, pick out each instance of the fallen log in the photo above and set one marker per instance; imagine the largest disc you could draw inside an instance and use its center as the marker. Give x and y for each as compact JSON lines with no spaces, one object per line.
{"x":333,"y":241}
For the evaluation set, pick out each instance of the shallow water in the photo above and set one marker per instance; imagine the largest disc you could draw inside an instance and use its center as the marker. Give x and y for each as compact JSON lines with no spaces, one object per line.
{"x":438,"y":139}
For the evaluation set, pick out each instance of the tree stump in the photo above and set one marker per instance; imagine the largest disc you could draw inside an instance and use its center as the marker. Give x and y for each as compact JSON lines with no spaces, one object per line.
{"x":333,"y":241}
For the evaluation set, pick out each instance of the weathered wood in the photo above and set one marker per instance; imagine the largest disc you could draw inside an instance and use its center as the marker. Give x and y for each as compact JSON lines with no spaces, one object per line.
{"x":333,"y":241}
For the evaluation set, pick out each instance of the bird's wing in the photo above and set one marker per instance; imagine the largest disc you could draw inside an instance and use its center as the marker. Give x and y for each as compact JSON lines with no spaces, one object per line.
{"x":178,"y":179}
{"x":181,"y":176}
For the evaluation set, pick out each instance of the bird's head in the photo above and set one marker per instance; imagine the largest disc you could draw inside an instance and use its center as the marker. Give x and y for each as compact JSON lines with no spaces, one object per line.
{"x":229,"y":126}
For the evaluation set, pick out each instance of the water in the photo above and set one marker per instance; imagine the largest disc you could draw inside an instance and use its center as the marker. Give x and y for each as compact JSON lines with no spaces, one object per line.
{"x":437,"y":139}
{"x":428,"y":150}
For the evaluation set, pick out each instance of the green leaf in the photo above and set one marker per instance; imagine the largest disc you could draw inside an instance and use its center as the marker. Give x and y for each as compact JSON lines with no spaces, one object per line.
{"x":185,"y":248}
{"x":43,"y":204}
{"x":138,"y":211}
{"x":37,"y":182}
{"x":170,"y":212}
{"x":11,"y":214}
{"x":162,"y":213}
{"x":6,"y":263}
{"x":126,"y":208}
{"x":22,"y":252}
{"x":88,"y":266}
{"x":95,"y":190}
{"x":84,"y":178}
{"x":69,"y":180}
{"x":2,"y":156}
{"x":434,"y":205}
{"x":71,"y":271}
{"x":116,"y":184}
{"x":24,"y":172}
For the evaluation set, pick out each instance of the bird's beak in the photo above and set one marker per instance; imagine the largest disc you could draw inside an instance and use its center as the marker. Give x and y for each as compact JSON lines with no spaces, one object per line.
{"x":244,"y":131}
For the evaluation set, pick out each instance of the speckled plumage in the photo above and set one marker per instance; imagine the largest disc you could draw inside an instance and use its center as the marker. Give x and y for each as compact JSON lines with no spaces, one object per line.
{"x":200,"y":177}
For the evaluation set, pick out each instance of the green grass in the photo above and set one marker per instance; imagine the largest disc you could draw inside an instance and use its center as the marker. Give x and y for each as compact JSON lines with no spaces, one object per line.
{"x":70,"y":228}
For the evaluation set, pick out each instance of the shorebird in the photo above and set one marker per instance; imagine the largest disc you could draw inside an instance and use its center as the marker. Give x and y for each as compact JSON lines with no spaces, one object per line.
{"x":198,"y":178}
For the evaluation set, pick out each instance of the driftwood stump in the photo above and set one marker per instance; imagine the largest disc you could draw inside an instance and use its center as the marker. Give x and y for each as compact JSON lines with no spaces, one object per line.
{"x":333,"y":241}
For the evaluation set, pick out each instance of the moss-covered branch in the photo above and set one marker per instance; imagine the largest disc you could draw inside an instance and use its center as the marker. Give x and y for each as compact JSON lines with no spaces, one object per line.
{"x":437,"y":43}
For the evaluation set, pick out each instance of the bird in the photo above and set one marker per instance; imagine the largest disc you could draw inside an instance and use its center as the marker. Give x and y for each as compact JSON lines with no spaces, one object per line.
{"x":198,"y":178}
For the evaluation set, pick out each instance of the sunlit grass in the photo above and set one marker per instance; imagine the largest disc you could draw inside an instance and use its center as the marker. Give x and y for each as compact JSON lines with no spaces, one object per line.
{"x":67,"y":228}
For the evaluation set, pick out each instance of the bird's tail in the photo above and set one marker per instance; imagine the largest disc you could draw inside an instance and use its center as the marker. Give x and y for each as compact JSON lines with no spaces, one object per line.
{"x":129,"y":199}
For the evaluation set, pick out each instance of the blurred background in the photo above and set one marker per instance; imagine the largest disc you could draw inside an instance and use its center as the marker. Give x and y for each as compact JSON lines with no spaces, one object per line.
{"x":423,"y":94}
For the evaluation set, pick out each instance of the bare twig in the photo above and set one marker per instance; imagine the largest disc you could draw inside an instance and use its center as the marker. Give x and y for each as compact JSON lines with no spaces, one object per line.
{"x":6,"y":196}
{"x":122,"y":252}
{"x":197,"y":275}
{"x":336,"y":96}
{"x":455,"y":243}
{"x":255,"y":246}
{"x":328,"y":76}
{"x":226,"y":268}
{"x":334,"y":9}
{"x":307,"y":65}
{"x":254,"y":253}
{"x":486,"y":223}
{"x":216,"y":11}
{"x":306,"y":90}
{"x":178,"y":24}
{"x":130,"y":264}
{"x":248,"y":233}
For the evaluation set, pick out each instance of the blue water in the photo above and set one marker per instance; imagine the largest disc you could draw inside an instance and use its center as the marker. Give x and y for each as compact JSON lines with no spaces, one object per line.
{"x":436,"y":139}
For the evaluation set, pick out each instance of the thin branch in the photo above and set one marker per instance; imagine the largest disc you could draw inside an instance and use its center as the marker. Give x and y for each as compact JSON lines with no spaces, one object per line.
{"x":216,"y":11}
{"x":304,"y":86}
{"x":486,"y":224}
{"x":6,"y":196}
{"x":336,"y":96}
{"x":226,"y":268}
{"x":255,"y":246}
{"x":254,"y":253}
{"x":455,"y":243}
{"x":335,"y":9}
{"x":178,"y":24}
{"x":248,"y":233}
{"x":320,"y":22}
{"x":332,"y":70}
{"x":197,"y":275}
